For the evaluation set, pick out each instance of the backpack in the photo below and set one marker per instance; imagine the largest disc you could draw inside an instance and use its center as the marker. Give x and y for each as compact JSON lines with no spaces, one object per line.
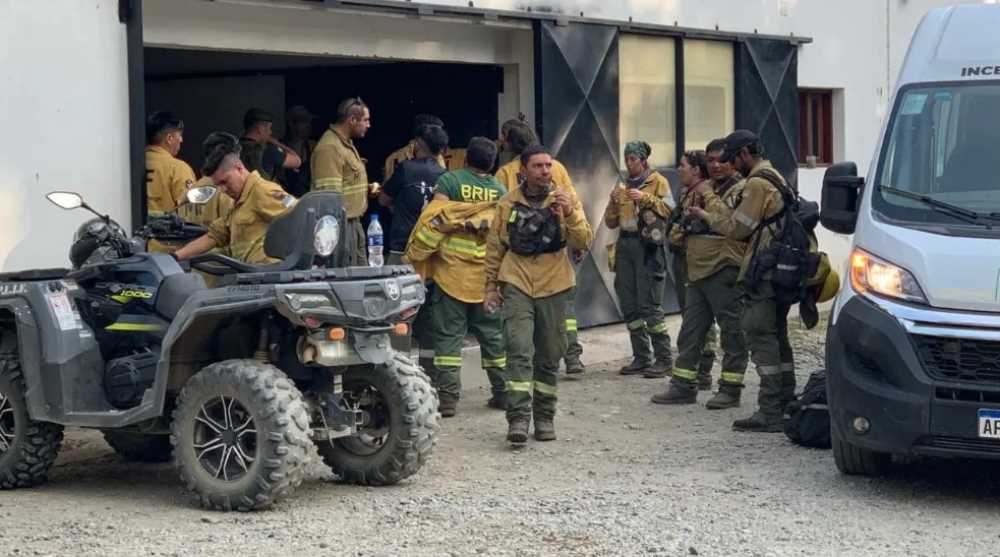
{"x":534,"y":231}
{"x":807,"y":418}
{"x":792,"y":255}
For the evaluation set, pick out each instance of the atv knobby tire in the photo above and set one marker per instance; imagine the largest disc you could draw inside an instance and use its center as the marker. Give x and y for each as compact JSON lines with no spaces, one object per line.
{"x":27,"y":448}
{"x":275,"y":441}
{"x":139,"y":447}
{"x":408,"y":422}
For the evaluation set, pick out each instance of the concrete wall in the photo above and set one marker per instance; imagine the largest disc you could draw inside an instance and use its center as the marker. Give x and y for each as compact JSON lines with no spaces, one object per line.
{"x":64,"y":116}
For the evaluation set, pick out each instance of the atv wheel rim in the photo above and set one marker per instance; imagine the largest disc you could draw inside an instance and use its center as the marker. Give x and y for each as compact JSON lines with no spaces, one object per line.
{"x":374,"y":430}
{"x":7,"y":432}
{"x":225,"y":438}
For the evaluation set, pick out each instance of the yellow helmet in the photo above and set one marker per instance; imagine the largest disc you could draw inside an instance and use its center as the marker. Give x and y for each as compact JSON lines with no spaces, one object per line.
{"x":829,"y":288}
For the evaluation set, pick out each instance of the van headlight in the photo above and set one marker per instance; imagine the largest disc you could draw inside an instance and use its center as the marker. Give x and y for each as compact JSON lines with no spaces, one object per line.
{"x":875,"y":275}
{"x":326,"y":235}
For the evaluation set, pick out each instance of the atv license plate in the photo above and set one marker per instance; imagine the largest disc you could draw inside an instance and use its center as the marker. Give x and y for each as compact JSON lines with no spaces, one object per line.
{"x":989,"y":424}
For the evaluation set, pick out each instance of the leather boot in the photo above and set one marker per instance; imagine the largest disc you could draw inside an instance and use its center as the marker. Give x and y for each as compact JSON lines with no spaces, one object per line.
{"x":637,"y":367}
{"x":517,"y":431}
{"x":678,"y":392}
{"x":768,"y":417}
{"x":659,"y":369}
{"x":727,"y":397}
{"x":545,"y":430}
{"x":574,"y":366}
{"x":447,"y":406}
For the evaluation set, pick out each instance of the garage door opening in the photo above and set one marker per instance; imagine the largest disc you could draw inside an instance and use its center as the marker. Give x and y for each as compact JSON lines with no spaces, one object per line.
{"x":211,"y":90}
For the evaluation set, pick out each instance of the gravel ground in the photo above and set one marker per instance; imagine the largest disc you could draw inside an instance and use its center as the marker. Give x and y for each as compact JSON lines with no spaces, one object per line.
{"x":625,"y":478}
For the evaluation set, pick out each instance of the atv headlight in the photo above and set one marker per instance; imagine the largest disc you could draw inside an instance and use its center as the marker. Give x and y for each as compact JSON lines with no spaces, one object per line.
{"x":871,"y":274}
{"x":326,"y":235}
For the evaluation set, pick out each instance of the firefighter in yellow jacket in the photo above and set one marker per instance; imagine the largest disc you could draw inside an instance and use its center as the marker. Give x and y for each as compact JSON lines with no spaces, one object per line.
{"x":337,"y":166}
{"x":529,"y":274}
{"x":167,"y":177}
{"x":638,"y":208}
{"x":517,"y":136}
{"x":460,"y":283}
{"x":409,"y":151}
{"x":257,"y":203}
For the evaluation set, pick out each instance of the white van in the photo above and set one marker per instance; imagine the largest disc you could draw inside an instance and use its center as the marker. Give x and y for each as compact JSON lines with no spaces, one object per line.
{"x":913,"y":348}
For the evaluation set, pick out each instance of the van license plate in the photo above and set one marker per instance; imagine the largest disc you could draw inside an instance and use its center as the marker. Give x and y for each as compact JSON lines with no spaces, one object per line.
{"x":989,"y":424}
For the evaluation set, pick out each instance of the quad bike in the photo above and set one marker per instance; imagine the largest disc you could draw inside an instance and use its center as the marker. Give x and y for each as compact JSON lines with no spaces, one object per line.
{"x":234,"y":383}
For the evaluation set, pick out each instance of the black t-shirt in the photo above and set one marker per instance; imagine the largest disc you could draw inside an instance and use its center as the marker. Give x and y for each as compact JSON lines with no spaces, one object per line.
{"x":411,"y":188}
{"x":265,"y":158}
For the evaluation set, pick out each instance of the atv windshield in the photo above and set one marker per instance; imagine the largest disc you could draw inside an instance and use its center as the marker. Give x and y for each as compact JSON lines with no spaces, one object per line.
{"x":939,"y":167}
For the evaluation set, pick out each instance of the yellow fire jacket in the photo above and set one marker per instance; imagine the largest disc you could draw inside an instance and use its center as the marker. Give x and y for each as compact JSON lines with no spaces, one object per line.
{"x":538,"y":276}
{"x":448,"y":246}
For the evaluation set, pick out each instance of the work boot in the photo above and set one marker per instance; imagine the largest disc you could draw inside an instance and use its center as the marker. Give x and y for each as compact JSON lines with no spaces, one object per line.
{"x":498,"y":401}
{"x":545,"y":430}
{"x":659,"y":369}
{"x":759,"y":423}
{"x":678,"y":392}
{"x":637,"y":367}
{"x":768,"y":417}
{"x":447,"y":406}
{"x":727,"y":397}
{"x":517,"y":431}
{"x":574,"y":367}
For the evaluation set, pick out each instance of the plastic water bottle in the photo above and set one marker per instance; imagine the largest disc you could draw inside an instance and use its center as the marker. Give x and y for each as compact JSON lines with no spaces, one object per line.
{"x":375,"y":242}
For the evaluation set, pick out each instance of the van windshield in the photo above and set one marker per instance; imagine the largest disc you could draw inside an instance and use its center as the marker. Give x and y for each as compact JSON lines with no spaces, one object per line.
{"x":943,"y":146}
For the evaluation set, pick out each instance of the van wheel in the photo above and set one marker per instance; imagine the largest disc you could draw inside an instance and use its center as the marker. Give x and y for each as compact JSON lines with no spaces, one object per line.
{"x":138,"y":447}
{"x":27,"y":448}
{"x":855,"y":461}
{"x":400,"y":410}
{"x":240,"y":435}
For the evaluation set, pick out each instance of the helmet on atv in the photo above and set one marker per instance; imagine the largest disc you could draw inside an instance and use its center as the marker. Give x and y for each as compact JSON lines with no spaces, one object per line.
{"x":91,"y":242}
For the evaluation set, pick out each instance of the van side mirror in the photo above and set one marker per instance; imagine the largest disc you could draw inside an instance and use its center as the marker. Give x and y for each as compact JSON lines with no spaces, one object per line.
{"x":842,"y":189}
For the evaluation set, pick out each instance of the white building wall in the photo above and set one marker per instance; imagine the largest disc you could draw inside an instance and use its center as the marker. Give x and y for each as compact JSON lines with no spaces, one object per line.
{"x":64,"y":116}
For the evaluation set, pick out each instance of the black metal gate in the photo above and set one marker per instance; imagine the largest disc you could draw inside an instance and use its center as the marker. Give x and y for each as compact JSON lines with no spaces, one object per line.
{"x":767,"y":99}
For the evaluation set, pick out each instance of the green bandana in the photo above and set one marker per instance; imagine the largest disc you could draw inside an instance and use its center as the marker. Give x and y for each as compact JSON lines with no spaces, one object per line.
{"x":638,"y":148}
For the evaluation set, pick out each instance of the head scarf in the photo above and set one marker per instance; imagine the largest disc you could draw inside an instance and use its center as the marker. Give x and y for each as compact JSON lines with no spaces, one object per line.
{"x":638,"y":148}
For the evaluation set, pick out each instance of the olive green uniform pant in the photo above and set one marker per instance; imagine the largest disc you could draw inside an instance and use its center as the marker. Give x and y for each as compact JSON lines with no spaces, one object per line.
{"x":639,"y":276}
{"x":423,"y":325}
{"x":573,"y":348}
{"x":453,"y":319}
{"x":714,"y":298}
{"x":707,"y":359}
{"x":535,"y":331}
{"x":765,"y":324}
{"x":358,"y":257}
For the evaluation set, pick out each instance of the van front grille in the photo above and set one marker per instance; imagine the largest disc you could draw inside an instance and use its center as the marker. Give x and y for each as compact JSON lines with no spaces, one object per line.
{"x":960,"y":359}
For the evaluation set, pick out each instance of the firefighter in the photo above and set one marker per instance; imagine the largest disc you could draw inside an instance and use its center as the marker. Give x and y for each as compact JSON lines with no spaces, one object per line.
{"x":257,"y":203}
{"x":206,"y":213}
{"x":261,"y":151}
{"x":640,"y":263}
{"x":167,"y":177}
{"x":765,"y":320}
{"x":337,"y":166}
{"x":457,"y":301}
{"x":409,"y":151}
{"x":529,"y":274}
{"x":712,"y":266}
{"x":516,"y":137}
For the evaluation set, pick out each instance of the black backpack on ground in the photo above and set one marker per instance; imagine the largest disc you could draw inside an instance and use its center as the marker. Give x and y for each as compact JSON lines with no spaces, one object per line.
{"x":792,"y":255}
{"x":807,"y":418}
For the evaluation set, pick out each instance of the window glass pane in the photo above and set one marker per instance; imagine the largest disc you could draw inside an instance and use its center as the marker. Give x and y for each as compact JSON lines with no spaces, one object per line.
{"x":648,"y":95}
{"x":709,"y":92}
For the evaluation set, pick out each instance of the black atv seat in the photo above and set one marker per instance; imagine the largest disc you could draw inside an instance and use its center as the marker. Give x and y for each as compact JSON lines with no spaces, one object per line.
{"x":34,"y":274}
{"x":175,"y":290}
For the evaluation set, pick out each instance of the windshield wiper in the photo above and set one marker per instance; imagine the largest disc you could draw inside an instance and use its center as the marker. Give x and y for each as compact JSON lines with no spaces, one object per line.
{"x":960,"y":213}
